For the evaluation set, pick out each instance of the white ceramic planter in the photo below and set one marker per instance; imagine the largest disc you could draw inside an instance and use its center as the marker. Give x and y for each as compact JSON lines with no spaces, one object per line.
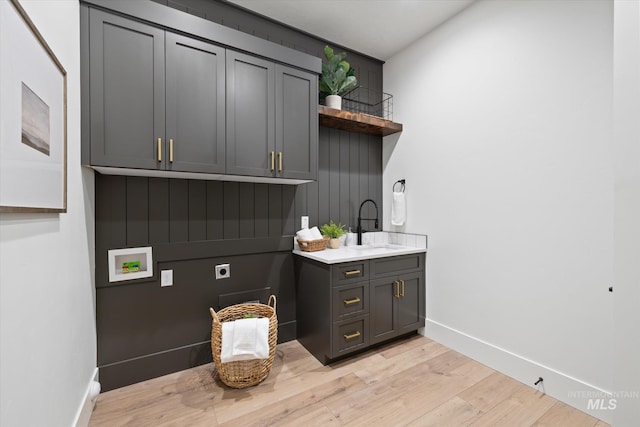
{"x":334,"y":101}
{"x":334,"y":243}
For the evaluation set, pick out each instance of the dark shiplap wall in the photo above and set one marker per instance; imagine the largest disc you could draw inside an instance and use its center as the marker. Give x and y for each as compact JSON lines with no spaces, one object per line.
{"x":145,"y":330}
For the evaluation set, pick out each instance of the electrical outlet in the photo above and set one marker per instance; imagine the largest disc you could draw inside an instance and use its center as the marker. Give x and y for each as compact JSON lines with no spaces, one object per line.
{"x":304,"y":222}
{"x":166,"y":278}
{"x":223,"y":271}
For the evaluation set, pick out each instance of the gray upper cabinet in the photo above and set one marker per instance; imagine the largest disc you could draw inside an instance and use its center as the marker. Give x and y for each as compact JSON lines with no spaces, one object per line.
{"x":145,"y":119}
{"x":272,"y":120}
{"x":162,"y":101}
{"x":296,"y":123}
{"x":195,"y":115}
{"x":250,"y":115}
{"x":127,"y":91}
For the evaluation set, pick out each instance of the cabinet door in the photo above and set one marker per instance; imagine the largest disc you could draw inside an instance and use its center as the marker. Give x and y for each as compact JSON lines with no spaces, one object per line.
{"x":383,"y":308}
{"x":411,"y":304}
{"x":127,"y":92}
{"x":195,"y":112}
{"x":296,"y":123}
{"x":250,"y":116}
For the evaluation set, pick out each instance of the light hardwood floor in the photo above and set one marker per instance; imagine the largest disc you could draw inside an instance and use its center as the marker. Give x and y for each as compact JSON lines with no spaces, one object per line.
{"x":411,"y":382}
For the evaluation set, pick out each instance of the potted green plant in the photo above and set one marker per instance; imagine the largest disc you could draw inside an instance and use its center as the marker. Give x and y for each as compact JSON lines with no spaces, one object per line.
{"x":337,"y":78}
{"x":333,"y":231}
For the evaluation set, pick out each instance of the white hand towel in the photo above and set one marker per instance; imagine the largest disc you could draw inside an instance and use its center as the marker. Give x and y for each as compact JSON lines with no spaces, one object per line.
{"x":304,"y":234}
{"x":245,"y":339}
{"x":315,"y":234}
{"x":398,"y":209}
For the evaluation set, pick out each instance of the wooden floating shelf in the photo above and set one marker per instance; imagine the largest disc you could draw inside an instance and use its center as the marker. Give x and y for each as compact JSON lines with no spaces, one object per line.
{"x":357,"y":122}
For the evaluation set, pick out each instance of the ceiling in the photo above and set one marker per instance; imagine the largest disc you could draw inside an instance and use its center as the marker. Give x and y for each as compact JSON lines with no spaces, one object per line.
{"x":378,"y":28}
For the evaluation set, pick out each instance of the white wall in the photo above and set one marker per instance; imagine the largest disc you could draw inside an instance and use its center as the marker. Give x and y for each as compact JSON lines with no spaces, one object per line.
{"x":507,"y":152}
{"x":48,"y":338}
{"x":627,"y":212}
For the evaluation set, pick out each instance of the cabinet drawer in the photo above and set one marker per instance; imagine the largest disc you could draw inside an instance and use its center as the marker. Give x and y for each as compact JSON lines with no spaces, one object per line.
{"x":397,"y":264}
{"x":350,"y":272}
{"x":350,"y":335}
{"x":350,"y":300}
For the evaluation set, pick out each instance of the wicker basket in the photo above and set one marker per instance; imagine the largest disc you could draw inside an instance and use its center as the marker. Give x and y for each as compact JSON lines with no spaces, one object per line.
{"x":244,"y":373}
{"x":313,"y":245}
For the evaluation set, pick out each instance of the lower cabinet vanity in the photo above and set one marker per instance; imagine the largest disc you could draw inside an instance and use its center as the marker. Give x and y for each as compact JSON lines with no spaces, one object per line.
{"x":344,"y":307}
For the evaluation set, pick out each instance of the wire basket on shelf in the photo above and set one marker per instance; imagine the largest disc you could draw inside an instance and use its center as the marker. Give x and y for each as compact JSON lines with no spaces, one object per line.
{"x":243,"y":373}
{"x":368,"y":101}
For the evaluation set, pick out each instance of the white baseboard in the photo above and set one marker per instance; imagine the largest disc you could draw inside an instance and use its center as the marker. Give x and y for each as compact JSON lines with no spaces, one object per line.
{"x":572,"y":391}
{"x":89,"y":401}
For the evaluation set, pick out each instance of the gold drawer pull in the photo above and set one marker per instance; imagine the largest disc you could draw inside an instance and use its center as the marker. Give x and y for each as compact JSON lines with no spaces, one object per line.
{"x":279,"y":161}
{"x":351,"y":301}
{"x":402,"y":291}
{"x":170,"y":150}
{"x":273,"y":160}
{"x":356,"y":334}
{"x":352,"y":272}
{"x":396,"y":290}
{"x":159,"y":149}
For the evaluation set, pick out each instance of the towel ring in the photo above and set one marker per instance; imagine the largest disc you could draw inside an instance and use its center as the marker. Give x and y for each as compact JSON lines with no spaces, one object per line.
{"x":401,"y":182}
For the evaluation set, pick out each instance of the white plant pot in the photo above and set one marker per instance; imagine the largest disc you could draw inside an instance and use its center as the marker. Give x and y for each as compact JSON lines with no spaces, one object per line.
{"x":334,"y":101}
{"x":334,"y":243}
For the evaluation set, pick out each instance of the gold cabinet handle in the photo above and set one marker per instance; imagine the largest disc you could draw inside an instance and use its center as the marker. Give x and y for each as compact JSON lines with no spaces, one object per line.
{"x":402,"y":285}
{"x":356,"y":334}
{"x":159,"y":149}
{"x":171,"y":150}
{"x":273,"y":160}
{"x":351,"y":301}
{"x":279,"y":161}
{"x":396,"y":289}
{"x":352,"y":272}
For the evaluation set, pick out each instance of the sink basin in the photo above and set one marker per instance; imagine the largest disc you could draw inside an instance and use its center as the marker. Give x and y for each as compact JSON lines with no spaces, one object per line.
{"x":374,"y":246}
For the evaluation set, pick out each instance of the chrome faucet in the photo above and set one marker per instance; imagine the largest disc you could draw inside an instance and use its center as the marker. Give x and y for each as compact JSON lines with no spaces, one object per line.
{"x":360,"y":219}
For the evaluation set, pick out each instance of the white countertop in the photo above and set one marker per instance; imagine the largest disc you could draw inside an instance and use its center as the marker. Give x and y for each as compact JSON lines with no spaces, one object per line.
{"x":358,"y":253}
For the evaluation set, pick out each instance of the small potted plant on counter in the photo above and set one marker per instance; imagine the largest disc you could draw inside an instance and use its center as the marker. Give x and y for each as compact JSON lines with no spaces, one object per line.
{"x":333,"y":231}
{"x":337,"y":78}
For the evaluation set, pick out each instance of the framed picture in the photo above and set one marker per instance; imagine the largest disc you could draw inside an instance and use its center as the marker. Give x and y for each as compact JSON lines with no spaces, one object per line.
{"x":33,"y":117}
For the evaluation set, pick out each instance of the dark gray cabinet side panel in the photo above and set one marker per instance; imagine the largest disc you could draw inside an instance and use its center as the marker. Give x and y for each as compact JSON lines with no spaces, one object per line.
{"x":195,"y":105}
{"x":85,"y":99}
{"x":127,"y":91}
{"x":313,"y":305}
{"x":297,"y":123}
{"x":250,"y":115}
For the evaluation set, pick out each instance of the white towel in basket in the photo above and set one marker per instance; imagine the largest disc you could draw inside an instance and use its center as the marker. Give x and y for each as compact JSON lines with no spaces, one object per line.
{"x":245,"y":339}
